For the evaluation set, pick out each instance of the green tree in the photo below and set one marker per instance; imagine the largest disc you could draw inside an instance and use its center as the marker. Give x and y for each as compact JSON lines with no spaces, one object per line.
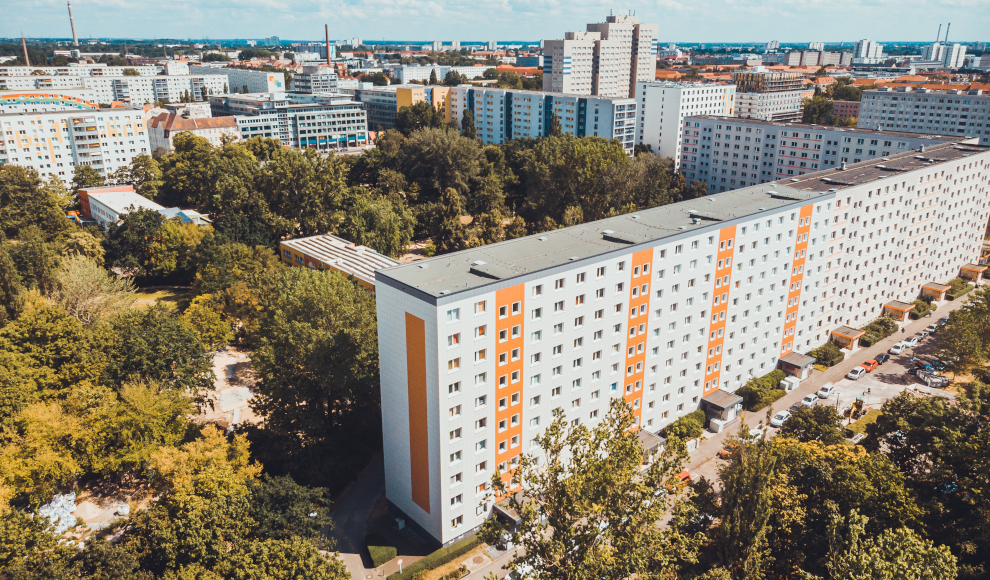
{"x":84,"y":244}
{"x":304,"y":188}
{"x":817,"y":109}
{"x":26,"y":200}
{"x":452,"y":79}
{"x":516,"y":229}
{"x":189,"y":173}
{"x":384,"y":224}
{"x":421,"y":115}
{"x":819,"y":423}
{"x":449,"y":234}
{"x":144,"y":174}
{"x":439,"y":159}
{"x":11,"y":288}
{"x":467,"y":125}
{"x":587,"y":510}
{"x":84,"y":176}
{"x":143,"y":244}
{"x":285,"y":509}
{"x":317,"y":364}
{"x":88,"y":293}
{"x":157,"y":345}
{"x":36,"y":259}
{"x":555,"y":130}
{"x":433,"y":78}
{"x":213,"y":330}
{"x":747,"y":503}
{"x":894,"y":553}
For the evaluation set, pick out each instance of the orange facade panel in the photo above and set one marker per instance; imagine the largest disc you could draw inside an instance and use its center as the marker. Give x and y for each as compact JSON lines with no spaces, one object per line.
{"x":509,"y":332}
{"x":639,"y":313}
{"x":797,"y":279}
{"x":720,"y":306}
{"x":419,"y":433}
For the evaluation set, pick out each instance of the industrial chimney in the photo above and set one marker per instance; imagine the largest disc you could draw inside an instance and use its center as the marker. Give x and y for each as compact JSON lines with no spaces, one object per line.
{"x":326,"y":29}
{"x":27,"y":61}
{"x":75,"y":39}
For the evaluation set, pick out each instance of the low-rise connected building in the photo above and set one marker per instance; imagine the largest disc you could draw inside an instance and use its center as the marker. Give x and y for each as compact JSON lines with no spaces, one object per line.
{"x":330,"y":252}
{"x":929,"y":111}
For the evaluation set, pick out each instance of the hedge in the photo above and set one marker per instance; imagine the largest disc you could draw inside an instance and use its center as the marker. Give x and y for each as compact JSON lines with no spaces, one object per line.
{"x":379,"y":549}
{"x":878,"y":330}
{"x":760,"y":392}
{"x":438,"y":558}
{"x":687,"y":427}
{"x":960,"y":287}
{"x":921,"y":308}
{"x":828,"y":354}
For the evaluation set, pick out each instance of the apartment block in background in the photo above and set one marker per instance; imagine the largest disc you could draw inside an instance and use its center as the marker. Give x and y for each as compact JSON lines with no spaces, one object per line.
{"x":663,"y":105}
{"x":845,"y":109}
{"x":501,"y":115}
{"x":54,"y":143}
{"x":952,"y":112}
{"x":48,"y":101}
{"x":732,"y":153}
{"x":256,"y":81}
{"x":768,"y":95}
{"x":671,"y":309}
{"x":606,"y":60}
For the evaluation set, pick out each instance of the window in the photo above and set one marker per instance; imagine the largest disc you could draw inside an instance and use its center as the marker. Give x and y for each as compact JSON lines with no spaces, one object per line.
{"x":558,"y":284}
{"x":457,"y":522}
{"x":454,"y":388}
{"x":453,"y":340}
{"x":481,"y":355}
{"x":558,"y":306}
{"x":453,"y":364}
{"x":481,"y":331}
{"x":454,"y":315}
{"x":537,"y":313}
{"x":600,"y":272}
{"x":480,"y":423}
{"x":456,"y":479}
{"x":516,"y":308}
{"x":455,"y":457}
{"x":455,"y":434}
{"x":479,"y":307}
{"x":538,"y":290}
{"x":480,"y":378}
{"x":503,"y":311}
{"x":481,"y":401}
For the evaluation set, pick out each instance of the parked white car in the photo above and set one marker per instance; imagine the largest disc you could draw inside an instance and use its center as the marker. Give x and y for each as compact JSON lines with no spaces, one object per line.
{"x":826,"y":391}
{"x":897,"y":348}
{"x":912,"y":342}
{"x":780,"y":418}
{"x":856,"y":373}
{"x":810,"y":401}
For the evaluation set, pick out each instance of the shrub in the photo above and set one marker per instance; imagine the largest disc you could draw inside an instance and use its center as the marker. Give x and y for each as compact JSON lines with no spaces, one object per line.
{"x":921,"y":308}
{"x":438,"y":558}
{"x":687,"y":427}
{"x":760,"y":392}
{"x":827,"y":355}
{"x":379,"y":549}
{"x":878,"y":330}
{"x":960,"y":287}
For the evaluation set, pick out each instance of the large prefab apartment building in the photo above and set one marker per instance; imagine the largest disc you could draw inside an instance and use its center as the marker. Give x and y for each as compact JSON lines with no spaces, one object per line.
{"x":672,"y":309}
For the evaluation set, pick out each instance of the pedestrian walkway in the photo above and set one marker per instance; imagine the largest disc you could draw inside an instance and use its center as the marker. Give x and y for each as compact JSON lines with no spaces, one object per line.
{"x":710,"y":447}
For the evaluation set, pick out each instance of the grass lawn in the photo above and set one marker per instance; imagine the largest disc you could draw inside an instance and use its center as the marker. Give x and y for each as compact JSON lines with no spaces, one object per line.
{"x":178,"y":297}
{"x":859,"y":426}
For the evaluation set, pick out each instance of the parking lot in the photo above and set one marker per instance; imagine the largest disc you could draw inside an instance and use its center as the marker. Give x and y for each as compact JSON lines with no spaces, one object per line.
{"x":885,"y":382}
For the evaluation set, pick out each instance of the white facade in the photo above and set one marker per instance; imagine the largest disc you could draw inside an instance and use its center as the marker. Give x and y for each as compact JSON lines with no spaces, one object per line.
{"x":78,"y":70}
{"x":137,"y":90}
{"x":257,"y":81}
{"x":106,"y":207}
{"x":606,"y":60}
{"x":783,"y":105}
{"x":662,"y":106}
{"x":406,"y":73}
{"x":819,"y":46}
{"x":47,"y":101}
{"x":475,"y":358}
{"x":957,"y":113}
{"x":867,"y":49}
{"x":54,"y":143}
{"x":955,"y":55}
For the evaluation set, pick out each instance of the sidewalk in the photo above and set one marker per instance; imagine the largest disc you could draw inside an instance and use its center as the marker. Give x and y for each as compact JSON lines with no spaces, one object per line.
{"x":709,"y":448}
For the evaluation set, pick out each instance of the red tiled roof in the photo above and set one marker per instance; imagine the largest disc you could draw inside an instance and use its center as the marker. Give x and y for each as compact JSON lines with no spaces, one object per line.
{"x":173,"y":122}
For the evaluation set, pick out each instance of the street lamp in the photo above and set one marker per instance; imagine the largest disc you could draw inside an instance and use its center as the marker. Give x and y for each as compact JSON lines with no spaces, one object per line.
{"x":400,"y":565}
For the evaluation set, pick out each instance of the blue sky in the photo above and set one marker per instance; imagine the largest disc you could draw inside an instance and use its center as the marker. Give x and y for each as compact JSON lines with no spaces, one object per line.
{"x":679,"y":20}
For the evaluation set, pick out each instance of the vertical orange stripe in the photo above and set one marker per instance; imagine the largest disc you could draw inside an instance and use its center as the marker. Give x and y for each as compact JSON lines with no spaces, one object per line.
{"x":419,"y":435}
{"x":505,"y":298}
{"x":797,"y":277}
{"x":720,"y":306}
{"x":639,"y":314}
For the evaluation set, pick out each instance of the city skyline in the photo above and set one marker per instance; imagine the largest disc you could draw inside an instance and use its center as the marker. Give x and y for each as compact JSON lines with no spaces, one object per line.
{"x":725,"y":21}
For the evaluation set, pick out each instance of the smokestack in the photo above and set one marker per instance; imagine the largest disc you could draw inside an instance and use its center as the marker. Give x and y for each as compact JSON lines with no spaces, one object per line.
{"x":75,"y":39}
{"x":947,"y":26}
{"x":326,"y":28}
{"x":27,"y":61}
{"x":939,"y":35}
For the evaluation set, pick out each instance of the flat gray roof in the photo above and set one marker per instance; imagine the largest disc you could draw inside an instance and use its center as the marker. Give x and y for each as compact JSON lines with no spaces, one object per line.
{"x":469,"y":269}
{"x":852,"y":130}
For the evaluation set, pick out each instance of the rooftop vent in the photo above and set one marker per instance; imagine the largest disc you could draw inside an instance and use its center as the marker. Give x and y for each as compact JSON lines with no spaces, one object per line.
{"x":478,"y":263}
{"x":542,"y":238}
{"x":442,"y":292}
{"x":607,"y":232}
{"x":572,"y":258}
{"x":843,"y":166}
{"x":424,"y":265}
{"x":635,"y":216}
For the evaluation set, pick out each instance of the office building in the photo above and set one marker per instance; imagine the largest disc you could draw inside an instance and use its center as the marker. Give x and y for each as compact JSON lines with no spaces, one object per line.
{"x":332,"y":253}
{"x":768,"y":95}
{"x":256,"y":81}
{"x":324,"y":122}
{"x":672,"y":309}
{"x":501,"y":115}
{"x":816,"y":46}
{"x":662,"y":106}
{"x":47,"y":101}
{"x":955,"y":56}
{"x":523,"y":61}
{"x":382,"y":104}
{"x":315,"y":79}
{"x":730,"y":153}
{"x":54,"y":143}
{"x":605,"y":60}
{"x":953,"y":112}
